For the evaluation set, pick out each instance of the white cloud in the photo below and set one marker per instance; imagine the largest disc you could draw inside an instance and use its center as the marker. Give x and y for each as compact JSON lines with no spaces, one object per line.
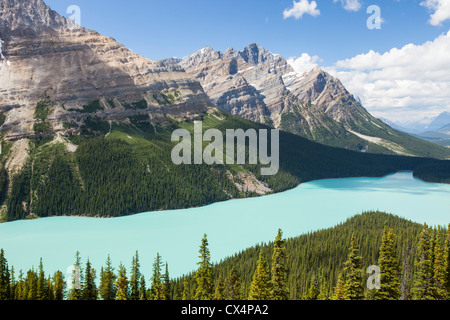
{"x":300,"y":8}
{"x":440,"y":8}
{"x":409,"y":83}
{"x":350,"y":5}
{"x":304,"y":63}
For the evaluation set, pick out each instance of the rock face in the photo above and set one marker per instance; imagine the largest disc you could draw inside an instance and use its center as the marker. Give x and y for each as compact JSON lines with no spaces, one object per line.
{"x":260,"y":86}
{"x":46,"y":57}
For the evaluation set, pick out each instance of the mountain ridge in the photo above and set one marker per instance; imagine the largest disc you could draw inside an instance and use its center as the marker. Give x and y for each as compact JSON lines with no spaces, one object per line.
{"x":50,"y":59}
{"x":260,"y":86}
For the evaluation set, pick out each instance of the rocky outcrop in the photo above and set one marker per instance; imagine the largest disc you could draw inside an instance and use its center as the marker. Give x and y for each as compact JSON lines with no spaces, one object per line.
{"x":256,"y":84}
{"x":47,"y":58}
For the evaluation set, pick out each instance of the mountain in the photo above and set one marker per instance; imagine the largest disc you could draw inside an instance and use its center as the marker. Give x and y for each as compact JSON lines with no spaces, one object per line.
{"x":86,"y":126}
{"x":439,"y":122}
{"x":47,"y":59}
{"x":440,"y":136}
{"x":260,"y":86}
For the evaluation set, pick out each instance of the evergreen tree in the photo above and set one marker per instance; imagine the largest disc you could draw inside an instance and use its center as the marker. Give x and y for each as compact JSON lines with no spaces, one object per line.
{"x":220,"y":288}
{"x":339,"y":291}
{"x":185,"y":290}
{"x":203,"y":276}
{"x":423,"y":284}
{"x":260,"y":288}
{"x":122,"y":283}
{"x":58,"y":285}
{"x":279,"y":272}
{"x":42,"y":288}
{"x":75,"y":292}
{"x":135,"y":277}
{"x":313,"y":291}
{"x":439,"y":290}
{"x":157,"y":286}
{"x":108,"y":288}
{"x":166,"y":283}
{"x":389,"y":267}
{"x":447,"y":262}
{"x":354,"y":283}
{"x":323,"y":291}
{"x":21,"y":288}
{"x":31,"y":290}
{"x":5,"y":288}
{"x":13,"y":283}
{"x":89,"y":287}
{"x":232,"y":289}
{"x":50,"y":289}
{"x":142,"y":289}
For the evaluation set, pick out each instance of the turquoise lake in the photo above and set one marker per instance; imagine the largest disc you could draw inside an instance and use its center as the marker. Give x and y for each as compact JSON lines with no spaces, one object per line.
{"x":231,"y":226}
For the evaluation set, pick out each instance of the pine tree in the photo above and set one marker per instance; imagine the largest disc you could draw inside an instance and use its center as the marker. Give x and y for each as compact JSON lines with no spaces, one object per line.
{"x":423,"y":283}
{"x":21,"y":288}
{"x":41,"y":283}
{"x":166,"y":283}
{"x":389,"y":267}
{"x":323,"y":290}
{"x":75,"y":292}
{"x":203,"y":275}
{"x":339,"y":291}
{"x":220,"y":288}
{"x":313,"y":291}
{"x":89,"y":287}
{"x":157,"y":285}
{"x":232,"y":289}
{"x":58,"y":285}
{"x":353,"y":286}
{"x":135,"y":277}
{"x":122,"y":283}
{"x":439,"y":290}
{"x":260,"y":288}
{"x":108,"y":288}
{"x":447,"y":262}
{"x":5,"y":286}
{"x":279,"y":272}
{"x":13,"y":283}
{"x":50,"y":290}
{"x":142,"y":289}
{"x":31,"y":290}
{"x":185,"y":290}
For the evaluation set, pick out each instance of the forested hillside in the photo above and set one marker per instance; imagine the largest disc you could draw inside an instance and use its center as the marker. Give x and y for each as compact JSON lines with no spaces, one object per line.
{"x":113,"y":169}
{"x":331,"y":264}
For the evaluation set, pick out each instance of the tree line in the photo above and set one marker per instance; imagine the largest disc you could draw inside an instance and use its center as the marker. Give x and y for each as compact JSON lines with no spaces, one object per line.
{"x":269,"y":280}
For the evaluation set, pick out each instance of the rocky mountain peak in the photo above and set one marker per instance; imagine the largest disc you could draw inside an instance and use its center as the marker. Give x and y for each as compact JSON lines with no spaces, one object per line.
{"x":28,"y":16}
{"x":202,"y":56}
{"x":49,"y":62}
{"x":230,"y":53}
{"x":255,"y":54}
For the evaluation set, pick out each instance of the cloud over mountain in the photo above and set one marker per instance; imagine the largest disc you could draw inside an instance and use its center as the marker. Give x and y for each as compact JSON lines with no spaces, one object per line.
{"x":411,"y":82}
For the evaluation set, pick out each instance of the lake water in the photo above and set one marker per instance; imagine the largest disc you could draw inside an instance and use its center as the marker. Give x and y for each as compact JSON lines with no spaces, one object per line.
{"x":231,"y":226}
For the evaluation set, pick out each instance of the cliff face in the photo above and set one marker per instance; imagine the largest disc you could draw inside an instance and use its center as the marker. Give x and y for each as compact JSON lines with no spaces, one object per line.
{"x":46,"y":57}
{"x":257,"y":85}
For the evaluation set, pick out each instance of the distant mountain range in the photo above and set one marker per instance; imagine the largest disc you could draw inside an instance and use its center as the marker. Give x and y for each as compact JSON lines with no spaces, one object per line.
{"x":260,"y":86}
{"x":435,"y":130}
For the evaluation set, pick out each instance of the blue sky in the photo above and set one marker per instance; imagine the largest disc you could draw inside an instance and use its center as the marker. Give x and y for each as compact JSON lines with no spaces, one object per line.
{"x":159,"y":29}
{"x":330,"y":33}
